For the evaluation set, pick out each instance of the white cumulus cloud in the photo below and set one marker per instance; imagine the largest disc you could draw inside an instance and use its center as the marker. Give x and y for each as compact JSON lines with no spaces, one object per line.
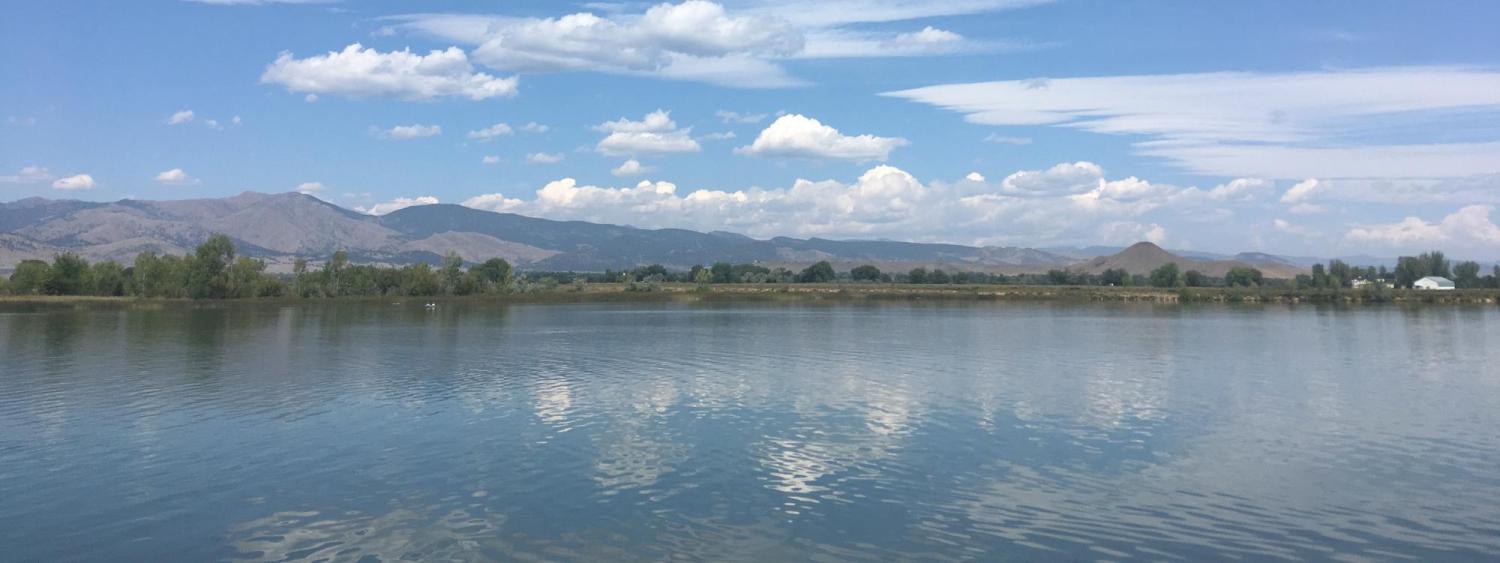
{"x":630,"y":167}
{"x":490,"y":132}
{"x":693,"y":40}
{"x":416,"y":131}
{"x":396,"y":204}
{"x":798,"y":136}
{"x":359,"y":72}
{"x":175,"y":177}
{"x":180,"y":117}
{"x":75,"y":182}
{"x":656,"y":133}
{"x":1070,"y":204}
{"x":1469,"y":227}
{"x":310,"y":187}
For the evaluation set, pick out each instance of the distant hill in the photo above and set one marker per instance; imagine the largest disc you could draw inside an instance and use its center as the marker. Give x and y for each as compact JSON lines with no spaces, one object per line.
{"x":283,"y":227}
{"x":1143,"y":257}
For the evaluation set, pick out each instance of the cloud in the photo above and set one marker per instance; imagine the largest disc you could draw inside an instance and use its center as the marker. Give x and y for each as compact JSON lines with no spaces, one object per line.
{"x":416,"y":131}
{"x":720,"y":136}
{"x":75,"y":182}
{"x":1240,"y":189}
{"x":534,"y":127}
{"x":694,"y":40}
{"x":1130,"y":232}
{"x":1290,"y":228}
{"x":175,"y":177}
{"x":310,"y":187}
{"x":1470,"y":227}
{"x":545,"y":158}
{"x":797,"y":136}
{"x":358,"y":72}
{"x":630,"y":167}
{"x":492,"y":202}
{"x":1003,"y":140}
{"x":1269,"y":125}
{"x":727,"y":116}
{"x":180,"y":117}
{"x":1073,"y":203}
{"x":699,"y":40}
{"x":926,"y":42}
{"x":490,"y":159}
{"x":396,"y":204}
{"x":1300,"y":192}
{"x":655,"y":133}
{"x":1481,"y":188}
{"x":28,"y":175}
{"x":490,"y":132}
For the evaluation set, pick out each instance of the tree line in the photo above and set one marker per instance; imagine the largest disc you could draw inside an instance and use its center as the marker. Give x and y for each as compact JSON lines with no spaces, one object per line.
{"x":214,"y":270}
{"x":1409,"y":269}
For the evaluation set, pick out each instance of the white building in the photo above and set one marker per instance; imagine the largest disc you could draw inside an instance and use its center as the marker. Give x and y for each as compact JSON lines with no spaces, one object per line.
{"x":1433,"y":282}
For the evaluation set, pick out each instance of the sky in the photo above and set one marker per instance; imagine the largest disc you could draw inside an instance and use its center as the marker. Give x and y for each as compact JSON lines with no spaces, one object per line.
{"x":1331,"y":128}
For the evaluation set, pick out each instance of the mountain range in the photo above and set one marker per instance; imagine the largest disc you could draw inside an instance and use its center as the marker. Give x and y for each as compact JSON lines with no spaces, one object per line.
{"x":282,"y":227}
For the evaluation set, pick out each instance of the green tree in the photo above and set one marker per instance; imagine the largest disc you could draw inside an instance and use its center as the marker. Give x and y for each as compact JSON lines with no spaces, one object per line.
{"x":159,"y":276}
{"x":69,"y":276}
{"x":1195,"y":278}
{"x":822,"y":272}
{"x":938,"y":276}
{"x":1166,"y":276}
{"x":206,"y":270}
{"x":1114,"y":277}
{"x":494,"y":274}
{"x":419,"y":280}
{"x":722,"y":272}
{"x":1243,"y":276}
{"x":452,"y":274}
{"x":243,"y":277}
{"x":866,"y":273}
{"x":334,"y":270}
{"x":1319,"y":276}
{"x":109,"y":279}
{"x":1466,"y":275}
{"x":917,"y":275}
{"x":1339,"y":273}
{"x":30,"y":277}
{"x":1059,"y":277}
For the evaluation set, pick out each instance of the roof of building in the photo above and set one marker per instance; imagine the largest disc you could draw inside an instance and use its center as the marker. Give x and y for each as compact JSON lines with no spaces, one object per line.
{"x":1439,"y":280}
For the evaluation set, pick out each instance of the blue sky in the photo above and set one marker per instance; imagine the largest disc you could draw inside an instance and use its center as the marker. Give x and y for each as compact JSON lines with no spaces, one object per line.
{"x":1291,"y":127}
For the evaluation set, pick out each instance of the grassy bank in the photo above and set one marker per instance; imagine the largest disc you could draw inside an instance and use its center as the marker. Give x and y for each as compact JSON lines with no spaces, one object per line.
{"x":858,"y":291}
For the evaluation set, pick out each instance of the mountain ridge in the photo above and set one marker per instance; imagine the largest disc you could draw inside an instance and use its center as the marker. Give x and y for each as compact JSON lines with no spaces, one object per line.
{"x":281,"y":228}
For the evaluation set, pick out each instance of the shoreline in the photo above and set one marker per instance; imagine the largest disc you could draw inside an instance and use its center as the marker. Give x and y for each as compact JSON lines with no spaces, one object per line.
{"x":675,"y":292}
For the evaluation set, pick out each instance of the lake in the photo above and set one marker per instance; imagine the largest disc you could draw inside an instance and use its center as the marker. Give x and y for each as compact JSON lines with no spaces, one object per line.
{"x":616,"y":432}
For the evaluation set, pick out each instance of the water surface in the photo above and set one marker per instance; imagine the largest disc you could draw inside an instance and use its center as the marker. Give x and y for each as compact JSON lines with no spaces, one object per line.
{"x":750,"y":432}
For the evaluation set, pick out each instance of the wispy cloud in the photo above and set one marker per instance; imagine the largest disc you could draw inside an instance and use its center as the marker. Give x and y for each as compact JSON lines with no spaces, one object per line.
{"x":1279,"y":125}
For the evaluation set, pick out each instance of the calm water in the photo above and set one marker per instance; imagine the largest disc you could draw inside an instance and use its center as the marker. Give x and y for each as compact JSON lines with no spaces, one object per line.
{"x":750,"y":432}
